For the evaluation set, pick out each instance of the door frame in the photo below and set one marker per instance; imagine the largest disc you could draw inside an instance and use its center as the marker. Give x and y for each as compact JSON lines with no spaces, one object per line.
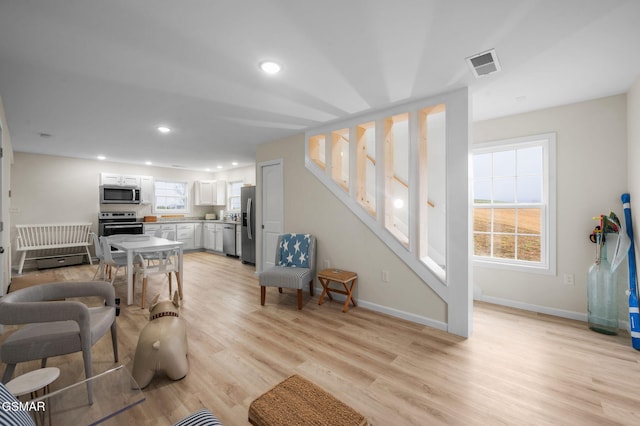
{"x":259,"y":222}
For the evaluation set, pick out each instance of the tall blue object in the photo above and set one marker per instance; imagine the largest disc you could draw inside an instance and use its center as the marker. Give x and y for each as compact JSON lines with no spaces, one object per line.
{"x":634,"y":312}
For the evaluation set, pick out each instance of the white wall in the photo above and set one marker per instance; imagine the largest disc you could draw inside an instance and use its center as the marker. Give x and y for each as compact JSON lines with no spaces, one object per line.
{"x":346,"y":242}
{"x":49,"y":189}
{"x":591,"y":176}
{"x":633,"y":158}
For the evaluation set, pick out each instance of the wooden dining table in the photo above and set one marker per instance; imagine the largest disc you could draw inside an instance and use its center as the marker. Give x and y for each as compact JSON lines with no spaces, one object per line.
{"x":130,"y":243}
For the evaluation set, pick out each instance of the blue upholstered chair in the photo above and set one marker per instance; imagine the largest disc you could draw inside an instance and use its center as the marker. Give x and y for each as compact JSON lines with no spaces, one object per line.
{"x":295,"y":265}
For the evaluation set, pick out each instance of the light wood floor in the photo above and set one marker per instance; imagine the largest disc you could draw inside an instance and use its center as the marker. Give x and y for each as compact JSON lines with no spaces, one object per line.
{"x":518,"y":368}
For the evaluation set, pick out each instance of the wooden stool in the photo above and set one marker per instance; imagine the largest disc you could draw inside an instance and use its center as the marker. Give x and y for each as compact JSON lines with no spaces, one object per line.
{"x":297,"y":401}
{"x":346,"y":278}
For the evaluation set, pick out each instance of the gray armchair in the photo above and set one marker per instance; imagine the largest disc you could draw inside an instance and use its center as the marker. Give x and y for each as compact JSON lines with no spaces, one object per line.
{"x":56,"y":327}
{"x":295,"y":265}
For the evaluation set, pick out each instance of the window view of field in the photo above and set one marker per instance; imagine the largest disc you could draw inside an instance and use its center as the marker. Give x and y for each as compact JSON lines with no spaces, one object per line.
{"x":509,"y":202}
{"x":515,"y":234}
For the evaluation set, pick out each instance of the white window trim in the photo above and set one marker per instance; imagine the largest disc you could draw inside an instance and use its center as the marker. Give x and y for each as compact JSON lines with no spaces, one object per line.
{"x":177,"y":211}
{"x":548,"y":264}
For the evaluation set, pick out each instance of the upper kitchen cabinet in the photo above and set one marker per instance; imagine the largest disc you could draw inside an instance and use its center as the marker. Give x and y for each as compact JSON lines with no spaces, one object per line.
{"x":210,"y":193}
{"x":146,"y":189}
{"x":221,"y":192}
{"x":119,"y":180}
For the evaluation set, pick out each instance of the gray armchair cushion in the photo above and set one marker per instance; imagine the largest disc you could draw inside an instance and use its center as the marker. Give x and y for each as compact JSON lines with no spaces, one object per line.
{"x":286,"y":277}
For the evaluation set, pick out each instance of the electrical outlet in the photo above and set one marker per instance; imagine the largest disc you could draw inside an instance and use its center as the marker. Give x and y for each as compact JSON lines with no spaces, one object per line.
{"x":569,"y":279}
{"x":326,"y":264}
{"x":385,"y":276}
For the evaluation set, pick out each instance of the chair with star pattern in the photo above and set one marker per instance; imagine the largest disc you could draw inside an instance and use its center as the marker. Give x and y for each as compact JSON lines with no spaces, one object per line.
{"x":295,"y":265}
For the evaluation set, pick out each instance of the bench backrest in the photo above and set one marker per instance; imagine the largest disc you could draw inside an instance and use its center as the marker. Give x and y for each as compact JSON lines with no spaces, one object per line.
{"x":52,"y":235}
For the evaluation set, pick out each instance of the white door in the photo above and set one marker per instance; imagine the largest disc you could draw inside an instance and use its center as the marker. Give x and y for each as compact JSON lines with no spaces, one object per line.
{"x":271,"y":204}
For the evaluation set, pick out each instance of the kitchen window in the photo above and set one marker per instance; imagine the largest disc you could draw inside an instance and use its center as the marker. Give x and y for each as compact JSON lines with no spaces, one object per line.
{"x":234,"y":195}
{"x":171,"y":196}
{"x":514,"y":204}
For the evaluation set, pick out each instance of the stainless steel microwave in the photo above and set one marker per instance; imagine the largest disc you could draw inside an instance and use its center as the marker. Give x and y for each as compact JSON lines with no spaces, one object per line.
{"x":110,"y":194}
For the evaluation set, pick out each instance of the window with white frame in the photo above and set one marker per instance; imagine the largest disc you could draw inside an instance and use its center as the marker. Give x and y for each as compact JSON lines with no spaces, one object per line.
{"x":171,"y":196}
{"x":234,"y":196}
{"x":514,"y":203}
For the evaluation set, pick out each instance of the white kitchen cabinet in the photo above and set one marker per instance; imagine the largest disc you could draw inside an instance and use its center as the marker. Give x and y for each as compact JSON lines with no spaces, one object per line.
{"x":119,"y":180}
{"x":198,"y":234}
{"x":213,"y":236}
{"x":221,"y":193}
{"x":205,"y":192}
{"x":209,"y":236}
{"x":146,"y":189}
{"x":185,"y":234}
{"x":151,"y":229}
{"x":210,"y":192}
{"x":219,"y":236}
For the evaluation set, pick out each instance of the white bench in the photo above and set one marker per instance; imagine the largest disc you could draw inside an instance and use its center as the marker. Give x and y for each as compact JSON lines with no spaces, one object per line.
{"x":54,"y":236}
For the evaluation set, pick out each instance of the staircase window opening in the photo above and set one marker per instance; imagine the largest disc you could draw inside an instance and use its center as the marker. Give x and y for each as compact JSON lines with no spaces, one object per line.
{"x":317,"y":150}
{"x":396,"y":190}
{"x":340,"y":158}
{"x":366,"y":166}
{"x":432,"y":188}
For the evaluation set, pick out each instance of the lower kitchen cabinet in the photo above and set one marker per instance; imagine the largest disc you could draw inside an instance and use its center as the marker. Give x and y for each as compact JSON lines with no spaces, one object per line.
{"x":198,"y":234}
{"x":185,"y":234}
{"x":213,"y":236}
{"x":151,"y":229}
{"x":219,"y":236}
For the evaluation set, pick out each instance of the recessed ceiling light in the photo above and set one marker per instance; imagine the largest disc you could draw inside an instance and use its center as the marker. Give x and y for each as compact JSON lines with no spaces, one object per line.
{"x":148,"y":163}
{"x":101,"y":157}
{"x":218,"y":167}
{"x":235,"y":163}
{"x":270,"y":67}
{"x":207,"y":169}
{"x":164,"y":129}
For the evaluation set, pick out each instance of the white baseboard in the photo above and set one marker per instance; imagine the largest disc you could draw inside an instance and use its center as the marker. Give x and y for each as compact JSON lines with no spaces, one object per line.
{"x":533,"y":308}
{"x":439,"y":325}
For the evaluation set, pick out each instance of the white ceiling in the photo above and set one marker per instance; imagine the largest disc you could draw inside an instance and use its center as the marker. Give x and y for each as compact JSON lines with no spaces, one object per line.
{"x":99,"y":76}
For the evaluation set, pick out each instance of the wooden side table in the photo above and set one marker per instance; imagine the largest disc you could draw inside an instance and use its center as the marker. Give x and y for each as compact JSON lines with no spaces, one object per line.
{"x":346,"y":278}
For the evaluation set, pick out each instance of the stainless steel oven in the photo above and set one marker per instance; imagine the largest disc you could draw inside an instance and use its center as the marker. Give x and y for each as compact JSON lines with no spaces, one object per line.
{"x":112,"y":223}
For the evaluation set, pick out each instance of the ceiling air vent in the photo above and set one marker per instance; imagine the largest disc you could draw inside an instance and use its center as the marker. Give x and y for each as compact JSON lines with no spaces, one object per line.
{"x":484,"y":63}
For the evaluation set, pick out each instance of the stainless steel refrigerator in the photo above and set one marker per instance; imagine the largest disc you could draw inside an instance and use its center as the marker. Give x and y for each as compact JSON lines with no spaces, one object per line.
{"x":248,"y":208}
